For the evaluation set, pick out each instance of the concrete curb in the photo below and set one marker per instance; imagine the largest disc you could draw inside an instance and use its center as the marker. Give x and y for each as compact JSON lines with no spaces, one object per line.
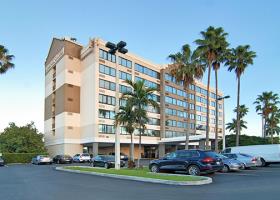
{"x":207,"y":180}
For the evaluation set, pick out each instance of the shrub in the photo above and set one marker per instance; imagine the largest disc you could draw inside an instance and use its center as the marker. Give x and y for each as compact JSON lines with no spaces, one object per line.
{"x":19,"y":157}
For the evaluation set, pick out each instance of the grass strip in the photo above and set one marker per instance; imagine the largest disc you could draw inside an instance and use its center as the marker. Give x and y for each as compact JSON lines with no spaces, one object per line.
{"x":137,"y":173}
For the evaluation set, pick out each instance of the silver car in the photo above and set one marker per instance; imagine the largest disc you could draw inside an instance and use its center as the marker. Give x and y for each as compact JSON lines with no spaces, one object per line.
{"x":247,"y":160}
{"x":230,"y":164}
{"x":83,"y":157}
{"x":41,"y":159}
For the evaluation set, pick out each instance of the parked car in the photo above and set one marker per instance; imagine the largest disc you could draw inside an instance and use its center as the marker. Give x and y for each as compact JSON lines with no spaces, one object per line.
{"x":106,"y":161}
{"x":60,"y":159}
{"x":194,"y":162}
{"x":230,"y":164}
{"x":83,"y":157}
{"x":2,"y":162}
{"x":41,"y":159}
{"x":248,"y":160}
{"x":267,"y":154}
{"x":122,"y":155}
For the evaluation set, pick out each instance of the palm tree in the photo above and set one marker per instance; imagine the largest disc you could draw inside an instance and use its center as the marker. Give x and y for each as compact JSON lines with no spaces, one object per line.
{"x":186,"y":68}
{"x":238,"y":60}
{"x":243,"y":111}
{"x":5,"y":60}
{"x":232,"y":126}
{"x":209,"y":50}
{"x":140,"y":97}
{"x":273,"y":122}
{"x":264,"y":104}
{"x":126,"y":117}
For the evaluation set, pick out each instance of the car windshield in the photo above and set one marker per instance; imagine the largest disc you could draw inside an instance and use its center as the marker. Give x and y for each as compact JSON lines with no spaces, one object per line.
{"x":108,"y":158}
{"x":85,"y":154}
{"x":221,"y":156}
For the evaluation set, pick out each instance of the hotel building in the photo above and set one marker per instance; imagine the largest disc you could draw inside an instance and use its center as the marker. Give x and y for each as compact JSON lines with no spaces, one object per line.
{"x":83,"y":87}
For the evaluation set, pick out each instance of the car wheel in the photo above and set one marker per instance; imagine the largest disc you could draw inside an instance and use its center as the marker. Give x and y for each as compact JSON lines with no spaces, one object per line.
{"x":193,"y":170}
{"x":155,"y":169}
{"x":263,"y":162}
{"x":106,"y":166}
{"x":225,"y":169}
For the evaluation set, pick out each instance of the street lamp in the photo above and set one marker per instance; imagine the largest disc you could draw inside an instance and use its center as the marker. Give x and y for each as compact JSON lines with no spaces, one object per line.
{"x":114,"y":48}
{"x":224,"y":135}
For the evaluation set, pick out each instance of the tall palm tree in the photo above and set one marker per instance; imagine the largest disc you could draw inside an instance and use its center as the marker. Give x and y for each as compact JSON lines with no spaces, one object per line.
{"x":140,"y":97}
{"x":238,"y":60}
{"x":126,"y":117}
{"x":273,"y":121}
{"x":264,"y":104}
{"x":232,"y":126}
{"x":5,"y":60}
{"x":209,"y":50}
{"x":186,"y":68}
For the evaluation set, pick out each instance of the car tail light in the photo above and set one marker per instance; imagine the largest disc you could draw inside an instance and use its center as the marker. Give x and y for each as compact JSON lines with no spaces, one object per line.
{"x":207,"y":160}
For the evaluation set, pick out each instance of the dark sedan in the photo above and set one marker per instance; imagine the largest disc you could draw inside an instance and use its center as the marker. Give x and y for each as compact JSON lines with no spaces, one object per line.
{"x":2,"y":162}
{"x":106,"y":161}
{"x":194,"y":162}
{"x":62,"y":159}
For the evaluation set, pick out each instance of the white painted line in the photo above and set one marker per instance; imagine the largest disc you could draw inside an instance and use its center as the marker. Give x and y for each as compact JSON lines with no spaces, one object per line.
{"x":233,"y":174}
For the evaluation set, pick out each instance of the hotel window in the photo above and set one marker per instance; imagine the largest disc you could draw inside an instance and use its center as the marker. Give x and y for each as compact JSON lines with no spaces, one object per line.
{"x":107,"y":99}
{"x":154,"y":121}
{"x":213,"y":95}
{"x":154,"y":97}
{"x":220,"y":106}
{"x":124,"y":62}
{"x":212,"y":112}
{"x":203,"y":118}
{"x":191,"y":106}
{"x":191,"y":96}
{"x":123,"y":131}
{"x":107,"y":129}
{"x":171,"y":123}
{"x":124,"y":89}
{"x":123,"y":102}
{"x":168,"y":88}
{"x":106,"y":114}
{"x":147,"y":71}
{"x":107,"y":56}
{"x":220,"y":122}
{"x":191,"y":116}
{"x":152,"y":109}
{"x":180,"y":124}
{"x":107,"y":70}
{"x":198,"y":117}
{"x":107,"y":85}
{"x":147,"y":83}
{"x":212,"y":121}
{"x":191,"y":87}
{"x":168,"y":100}
{"x":124,"y":76}
{"x":213,"y":104}
{"x":151,"y":133}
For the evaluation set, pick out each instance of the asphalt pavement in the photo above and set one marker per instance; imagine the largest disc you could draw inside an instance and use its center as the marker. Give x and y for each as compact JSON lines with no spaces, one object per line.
{"x":28,"y":182}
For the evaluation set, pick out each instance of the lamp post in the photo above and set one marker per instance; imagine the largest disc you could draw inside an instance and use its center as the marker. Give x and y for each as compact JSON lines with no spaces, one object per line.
{"x":114,"y":49}
{"x":224,"y":135}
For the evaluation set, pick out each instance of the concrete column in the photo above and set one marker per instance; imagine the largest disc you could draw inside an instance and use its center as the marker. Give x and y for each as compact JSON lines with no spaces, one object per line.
{"x":201,"y":144}
{"x":161,"y":150}
{"x":95,"y":148}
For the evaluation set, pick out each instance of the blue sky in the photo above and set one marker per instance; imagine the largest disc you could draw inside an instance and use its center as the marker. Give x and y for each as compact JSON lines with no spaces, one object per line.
{"x":152,"y":29}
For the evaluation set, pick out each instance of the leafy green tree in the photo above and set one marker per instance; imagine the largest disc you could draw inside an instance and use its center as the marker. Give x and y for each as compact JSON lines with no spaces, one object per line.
{"x":139,"y":98}
{"x":238,"y":60}
{"x":232,"y":126}
{"x":186,"y":68}
{"x":127,"y":117}
{"x":209,"y":50}
{"x":5,"y":60}
{"x":21,"y":139}
{"x":273,"y":121}
{"x":264,"y":106}
{"x":246,"y":140}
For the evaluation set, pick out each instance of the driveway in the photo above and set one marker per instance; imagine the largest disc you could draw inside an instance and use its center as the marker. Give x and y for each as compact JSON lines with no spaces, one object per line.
{"x":28,"y":182}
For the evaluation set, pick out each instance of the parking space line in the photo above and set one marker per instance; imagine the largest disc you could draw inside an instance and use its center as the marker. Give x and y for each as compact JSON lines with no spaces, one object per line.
{"x":233,"y":174}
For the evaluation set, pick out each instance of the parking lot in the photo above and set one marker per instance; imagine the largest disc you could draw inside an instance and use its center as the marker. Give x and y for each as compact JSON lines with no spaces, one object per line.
{"x":44,"y":182}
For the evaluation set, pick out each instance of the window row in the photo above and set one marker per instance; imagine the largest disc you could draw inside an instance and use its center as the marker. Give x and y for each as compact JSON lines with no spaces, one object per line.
{"x":147,"y":71}
{"x":175,"y":123}
{"x":104,"y":128}
{"x":124,"y":75}
{"x":107,"y":70}
{"x":175,"y":112}
{"x":147,"y":83}
{"x":175,"y":91}
{"x":154,"y":121}
{"x":107,"y":56}
{"x":106,"y":114}
{"x":124,"y":89}
{"x":105,"y":99}
{"x":107,"y":85}
{"x":147,"y":132}
{"x":177,"y":102}
{"x":124,"y":62}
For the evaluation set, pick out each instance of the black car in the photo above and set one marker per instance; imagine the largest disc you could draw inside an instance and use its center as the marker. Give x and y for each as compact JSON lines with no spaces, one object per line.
{"x":2,"y":163}
{"x":106,"y":161}
{"x":122,"y":156}
{"x":194,"y":162}
{"x":61,"y":159}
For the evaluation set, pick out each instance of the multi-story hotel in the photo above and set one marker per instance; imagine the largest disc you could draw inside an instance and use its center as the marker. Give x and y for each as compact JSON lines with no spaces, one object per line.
{"x":83,"y":86}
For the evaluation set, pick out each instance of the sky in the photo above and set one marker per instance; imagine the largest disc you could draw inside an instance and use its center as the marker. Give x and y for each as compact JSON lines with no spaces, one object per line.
{"x":152,"y":30}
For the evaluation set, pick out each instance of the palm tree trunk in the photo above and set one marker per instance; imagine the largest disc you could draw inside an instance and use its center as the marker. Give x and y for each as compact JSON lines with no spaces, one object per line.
{"x":217,"y":113}
{"x":131,"y":153}
{"x":271,"y":135}
{"x":238,"y":113}
{"x":207,"y":103}
{"x":188,"y":120}
{"x":139,"y":148}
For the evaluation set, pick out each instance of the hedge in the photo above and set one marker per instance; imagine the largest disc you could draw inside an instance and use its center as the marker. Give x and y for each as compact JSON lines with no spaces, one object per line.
{"x":19,"y":157}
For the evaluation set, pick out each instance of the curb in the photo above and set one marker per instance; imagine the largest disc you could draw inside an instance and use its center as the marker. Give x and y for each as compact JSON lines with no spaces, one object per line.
{"x":207,"y":180}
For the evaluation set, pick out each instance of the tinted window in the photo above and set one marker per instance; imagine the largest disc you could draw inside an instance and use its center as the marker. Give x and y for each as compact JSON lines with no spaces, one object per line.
{"x":171,"y":155}
{"x":184,"y":154}
{"x":211,"y":154}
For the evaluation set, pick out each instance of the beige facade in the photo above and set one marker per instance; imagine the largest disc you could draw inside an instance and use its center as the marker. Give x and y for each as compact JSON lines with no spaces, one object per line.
{"x":83,"y":86}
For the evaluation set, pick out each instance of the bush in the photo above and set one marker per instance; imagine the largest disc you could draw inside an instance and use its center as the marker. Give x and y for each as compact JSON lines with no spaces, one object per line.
{"x":18,"y":157}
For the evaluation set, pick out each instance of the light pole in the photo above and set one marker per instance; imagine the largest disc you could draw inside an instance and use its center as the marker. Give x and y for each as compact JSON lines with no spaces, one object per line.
{"x":224,"y":135}
{"x":114,"y":48}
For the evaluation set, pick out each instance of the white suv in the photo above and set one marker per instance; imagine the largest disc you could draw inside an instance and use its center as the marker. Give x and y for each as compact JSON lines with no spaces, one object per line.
{"x":83,"y":157}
